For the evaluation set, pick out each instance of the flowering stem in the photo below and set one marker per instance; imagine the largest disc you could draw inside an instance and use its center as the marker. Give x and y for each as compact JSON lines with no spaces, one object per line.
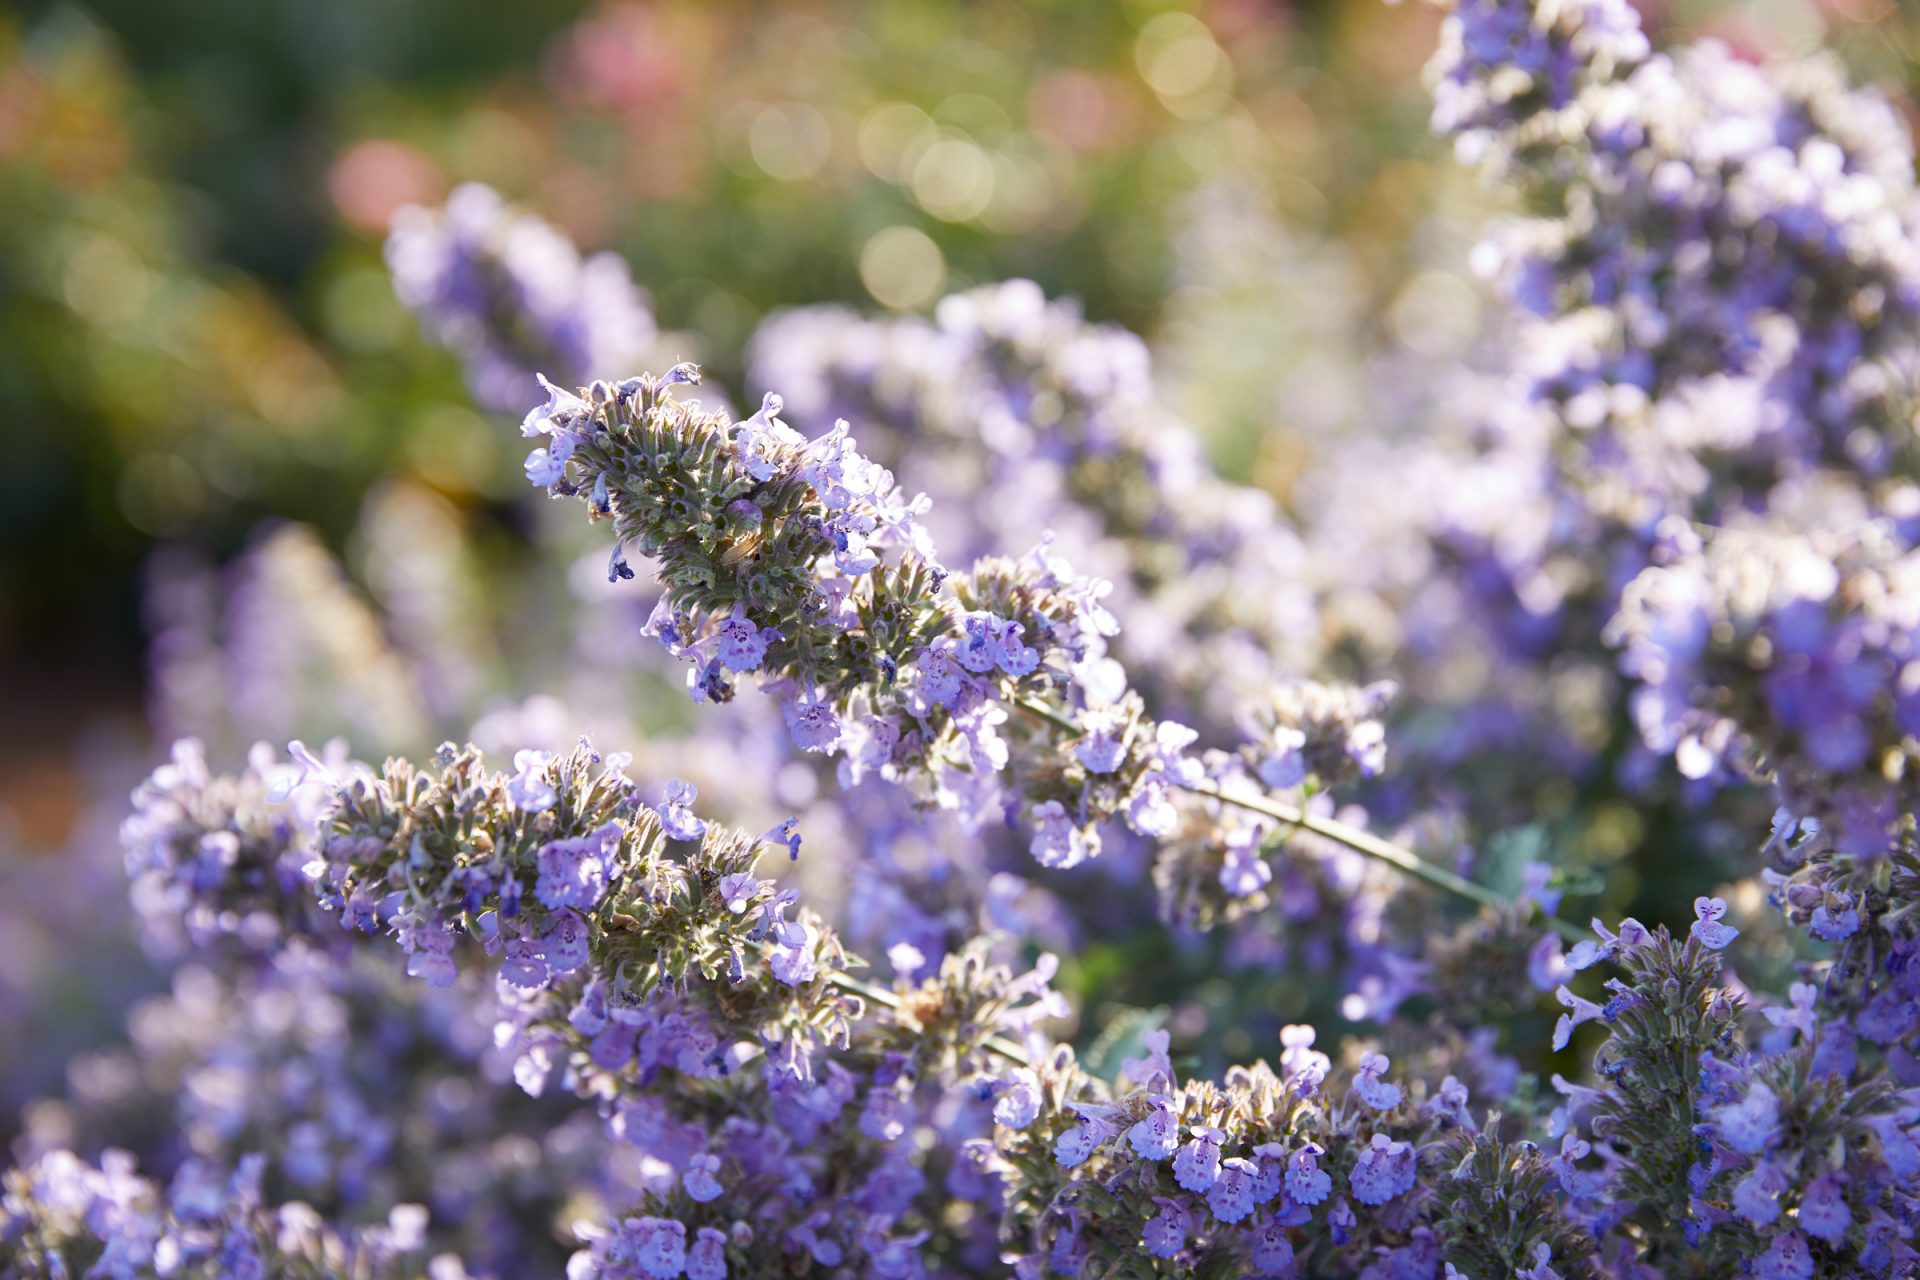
{"x":1359,"y":841}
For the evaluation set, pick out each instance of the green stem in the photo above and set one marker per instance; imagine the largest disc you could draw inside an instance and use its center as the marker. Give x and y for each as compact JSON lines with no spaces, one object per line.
{"x":1373,"y":846}
{"x":1354,"y":838}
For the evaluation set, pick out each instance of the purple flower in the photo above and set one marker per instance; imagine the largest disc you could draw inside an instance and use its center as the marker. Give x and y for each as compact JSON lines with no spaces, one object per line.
{"x":812,"y":722}
{"x":1197,"y":1166}
{"x":792,"y":955}
{"x":742,"y":645}
{"x":1580,"y":1011}
{"x":1306,"y":1181}
{"x":1370,"y":1088}
{"x":1231,"y":1196}
{"x":565,"y":943}
{"x":1800,"y":1012}
{"x":676,"y":811}
{"x":1385,"y":1169}
{"x":1285,"y":766}
{"x":702,"y":1179}
{"x":1787,"y":1258}
{"x":1156,"y":1136}
{"x":1243,"y":872}
{"x":1835,"y":923}
{"x":1824,"y":1214}
{"x":1272,"y":1252}
{"x":659,"y":1246}
{"x":785,"y":832}
{"x":430,"y":954}
{"x":1547,"y":965}
{"x":1166,"y":1231}
{"x":739,"y":890}
{"x":1756,"y":1197}
{"x":707,"y":1260}
{"x":1540,"y":1270}
{"x":1751,"y":1125}
{"x":572,"y":873}
{"x":1153,"y":1066}
{"x":943,"y":681}
{"x":523,"y":966}
{"x":1708,"y":929}
{"x":529,"y":790}
{"x":1102,"y":745}
{"x":884,"y":1117}
{"x":1057,"y":841}
{"x":757,"y":438}
{"x":1018,"y":1104}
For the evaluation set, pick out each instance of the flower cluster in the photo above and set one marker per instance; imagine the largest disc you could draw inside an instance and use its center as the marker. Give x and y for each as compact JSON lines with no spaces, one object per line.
{"x":1021,"y":419}
{"x":1790,"y":657}
{"x":800,"y":562}
{"x":1791,"y":1157}
{"x":641,"y":964}
{"x":1727,"y":292}
{"x":1267,"y":1172}
{"x":511,"y":295}
{"x":1504,"y":63}
{"x":62,"y":1216}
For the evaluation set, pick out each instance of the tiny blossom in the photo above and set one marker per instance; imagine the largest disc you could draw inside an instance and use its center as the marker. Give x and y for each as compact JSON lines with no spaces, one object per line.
{"x":1197,"y":1165}
{"x":739,"y":890}
{"x":785,"y":833}
{"x":1100,"y":747}
{"x":793,"y":953}
{"x":430,"y":956}
{"x":676,"y":811}
{"x":701,"y":1179}
{"x":1306,"y":1181}
{"x":1799,"y":1013}
{"x":564,"y":944}
{"x":707,"y":1259}
{"x":1231,"y":1197}
{"x":1757,"y":1196}
{"x":812,"y":722}
{"x":1786,"y":1258}
{"x":1579,"y":1011}
{"x":1077,"y":1144}
{"x":1708,"y":928}
{"x":660,"y":1246}
{"x":743,"y":645}
{"x":1824,"y":1214}
{"x":1243,"y":871}
{"x":1018,"y":1104}
{"x":1156,"y":1136}
{"x":1297,"y":1054}
{"x":1370,"y":1088}
{"x":1384,"y":1171}
{"x":1834,"y":924}
{"x":529,"y":789}
{"x":1057,"y":840}
{"x":1751,"y":1125}
{"x":1153,"y":1068}
{"x":1166,"y":1232}
{"x":1286,"y":765}
{"x":572,"y":873}
{"x":523,"y":966}
{"x":1272,"y":1252}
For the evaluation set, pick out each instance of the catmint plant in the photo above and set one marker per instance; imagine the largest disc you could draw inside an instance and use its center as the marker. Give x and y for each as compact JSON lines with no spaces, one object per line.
{"x":510,"y":295}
